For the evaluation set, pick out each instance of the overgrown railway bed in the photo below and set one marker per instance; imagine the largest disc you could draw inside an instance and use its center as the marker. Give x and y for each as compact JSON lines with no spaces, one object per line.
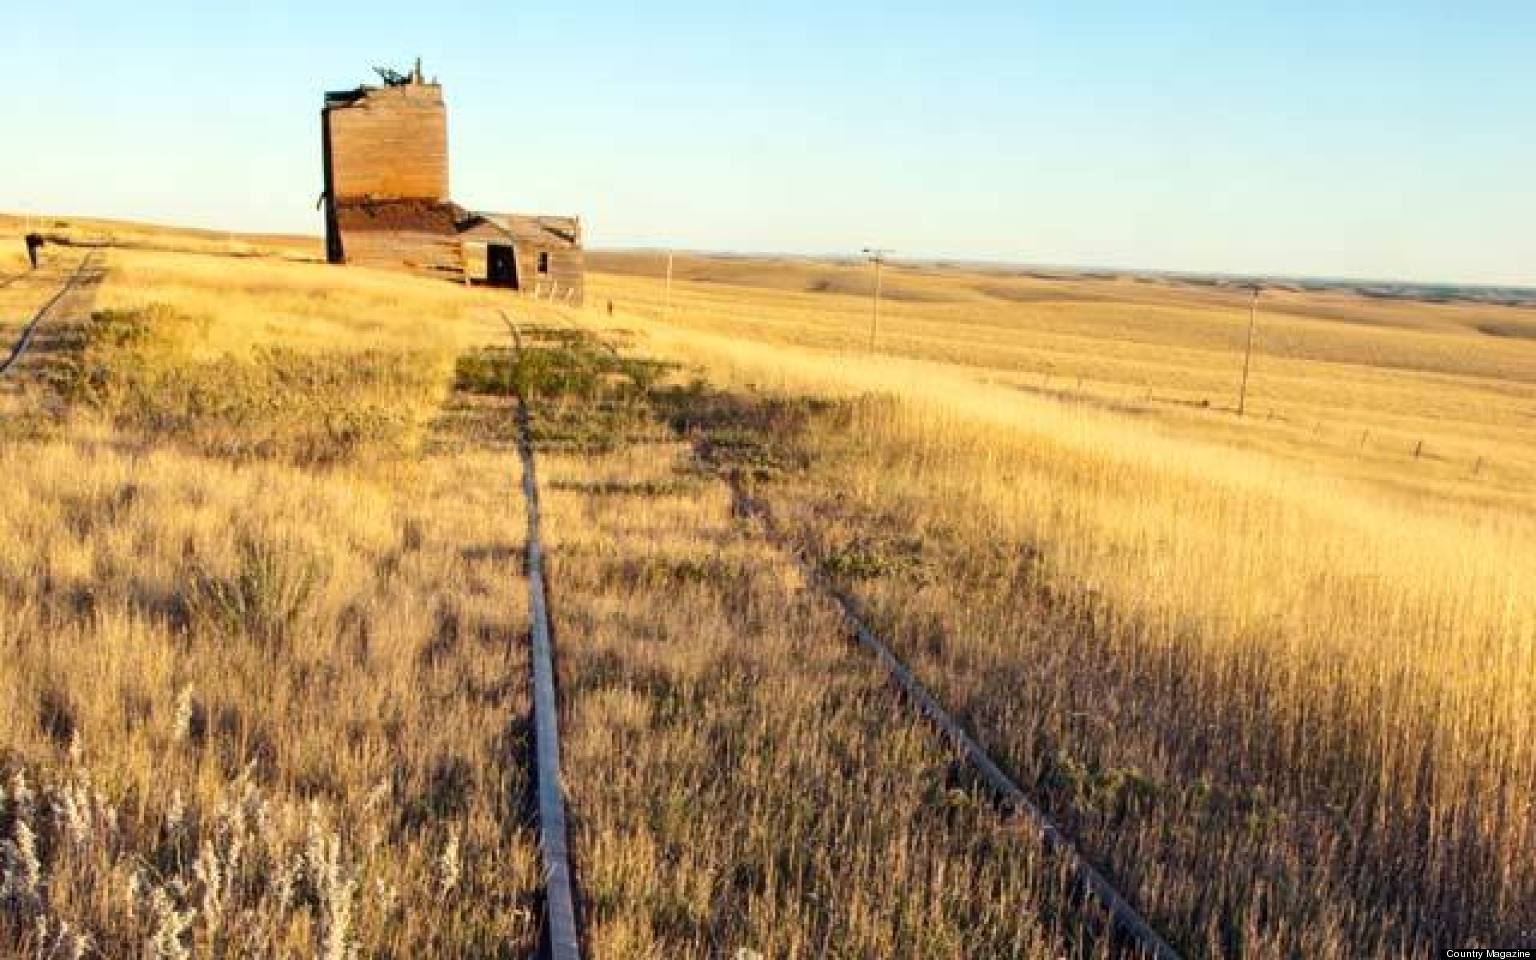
{"x":86,"y":271}
{"x":572,"y":370}
{"x":561,"y":939}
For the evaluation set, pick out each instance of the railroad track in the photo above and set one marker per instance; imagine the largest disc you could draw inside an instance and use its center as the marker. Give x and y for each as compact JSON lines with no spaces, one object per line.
{"x":1121,"y":915}
{"x":562,"y":940}
{"x":82,"y":270}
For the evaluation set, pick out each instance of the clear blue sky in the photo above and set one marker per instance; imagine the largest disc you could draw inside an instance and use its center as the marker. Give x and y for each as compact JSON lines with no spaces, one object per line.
{"x":1376,"y":138}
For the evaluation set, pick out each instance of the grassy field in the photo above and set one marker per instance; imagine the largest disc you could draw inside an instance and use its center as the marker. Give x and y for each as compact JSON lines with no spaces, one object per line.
{"x":261,"y":612}
{"x":745,"y":785}
{"x":123,"y":234}
{"x":1220,"y":648}
{"x":1339,"y":381}
{"x":261,"y":601}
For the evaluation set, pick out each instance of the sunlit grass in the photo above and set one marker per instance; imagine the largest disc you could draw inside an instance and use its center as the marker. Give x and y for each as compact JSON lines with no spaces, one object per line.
{"x":263,"y":677}
{"x":261,"y":608}
{"x":1340,"y":381}
{"x":1254,"y":623}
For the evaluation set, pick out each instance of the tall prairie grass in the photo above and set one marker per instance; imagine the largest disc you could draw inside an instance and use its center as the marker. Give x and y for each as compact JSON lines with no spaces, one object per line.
{"x":261,"y":672}
{"x":1286,"y":705}
{"x":746,"y":785}
{"x":276,"y":700}
{"x":1342,"y":382}
{"x":144,"y":370}
{"x":250,"y":706}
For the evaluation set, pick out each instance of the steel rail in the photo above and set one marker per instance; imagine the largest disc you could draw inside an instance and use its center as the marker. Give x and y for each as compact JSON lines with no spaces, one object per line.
{"x":1122,"y":915}
{"x":563,"y":941}
{"x":27,"y":333}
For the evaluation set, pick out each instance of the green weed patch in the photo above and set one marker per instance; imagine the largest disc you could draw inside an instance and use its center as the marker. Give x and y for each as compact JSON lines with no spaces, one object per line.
{"x":144,"y":369}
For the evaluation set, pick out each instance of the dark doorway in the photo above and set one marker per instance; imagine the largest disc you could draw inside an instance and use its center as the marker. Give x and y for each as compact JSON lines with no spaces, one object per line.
{"x":500,"y":266}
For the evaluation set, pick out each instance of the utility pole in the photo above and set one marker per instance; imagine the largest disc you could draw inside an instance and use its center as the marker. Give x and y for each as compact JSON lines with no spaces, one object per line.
{"x":1253,"y":310}
{"x":877,"y":256}
{"x":666,"y":311}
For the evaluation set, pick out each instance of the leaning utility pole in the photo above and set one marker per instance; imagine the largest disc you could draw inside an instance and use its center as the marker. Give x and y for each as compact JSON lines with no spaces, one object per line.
{"x":666,"y":310}
{"x":877,"y":256}
{"x":1253,"y":310}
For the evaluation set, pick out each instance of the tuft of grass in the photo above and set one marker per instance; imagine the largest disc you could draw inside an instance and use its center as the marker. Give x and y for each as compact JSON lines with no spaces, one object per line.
{"x":267,"y":597}
{"x":865,"y":558}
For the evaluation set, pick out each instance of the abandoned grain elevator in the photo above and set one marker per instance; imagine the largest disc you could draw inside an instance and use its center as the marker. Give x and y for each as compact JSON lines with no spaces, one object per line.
{"x":385,"y":151}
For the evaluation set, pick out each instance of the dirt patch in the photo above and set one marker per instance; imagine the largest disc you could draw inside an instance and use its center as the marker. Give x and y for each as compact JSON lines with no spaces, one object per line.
{"x":863,"y":286}
{"x":1508,"y":329}
{"x":1033,"y":294}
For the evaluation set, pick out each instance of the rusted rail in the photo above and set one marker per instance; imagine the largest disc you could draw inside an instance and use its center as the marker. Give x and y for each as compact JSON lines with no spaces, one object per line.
{"x":25,"y":340}
{"x":562,"y":938}
{"x":1122,"y":915}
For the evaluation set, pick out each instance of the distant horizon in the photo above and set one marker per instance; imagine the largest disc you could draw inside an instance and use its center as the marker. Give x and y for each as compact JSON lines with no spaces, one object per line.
{"x":998,"y":261}
{"x":1118,"y":270}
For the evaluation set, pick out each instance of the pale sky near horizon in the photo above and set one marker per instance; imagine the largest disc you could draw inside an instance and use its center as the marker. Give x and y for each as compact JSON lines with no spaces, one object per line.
{"x":1391,"y":140}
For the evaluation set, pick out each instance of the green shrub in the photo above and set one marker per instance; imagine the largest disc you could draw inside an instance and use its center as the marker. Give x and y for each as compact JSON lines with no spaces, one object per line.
{"x":264,"y":600}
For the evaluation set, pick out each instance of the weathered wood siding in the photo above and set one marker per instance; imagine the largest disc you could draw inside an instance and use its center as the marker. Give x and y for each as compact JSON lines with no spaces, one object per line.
{"x":414,"y":250}
{"x":567,"y":276}
{"x":530,"y":236}
{"x":389,"y":143}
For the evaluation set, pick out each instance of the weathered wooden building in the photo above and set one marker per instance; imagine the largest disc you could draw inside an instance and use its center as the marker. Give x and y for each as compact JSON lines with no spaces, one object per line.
{"x":387,"y":204}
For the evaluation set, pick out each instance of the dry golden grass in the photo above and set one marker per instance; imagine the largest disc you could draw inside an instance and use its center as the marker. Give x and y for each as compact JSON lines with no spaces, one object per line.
{"x":1330,"y":369}
{"x":1311,"y":669}
{"x":1276,"y":684}
{"x":279,"y":699}
{"x":743,"y":781}
{"x":92,"y":231}
{"x":263,"y":686}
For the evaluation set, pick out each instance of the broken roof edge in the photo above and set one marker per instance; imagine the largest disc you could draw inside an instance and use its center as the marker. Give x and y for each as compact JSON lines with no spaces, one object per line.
{"x":403,"y":213}
{"x":347,"y":98}
{"x":391,"y":78}
{"x":564,"y":228}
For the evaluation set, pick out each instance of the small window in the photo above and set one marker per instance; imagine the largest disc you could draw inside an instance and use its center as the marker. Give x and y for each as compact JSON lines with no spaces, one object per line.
{"x":544,"y":263}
